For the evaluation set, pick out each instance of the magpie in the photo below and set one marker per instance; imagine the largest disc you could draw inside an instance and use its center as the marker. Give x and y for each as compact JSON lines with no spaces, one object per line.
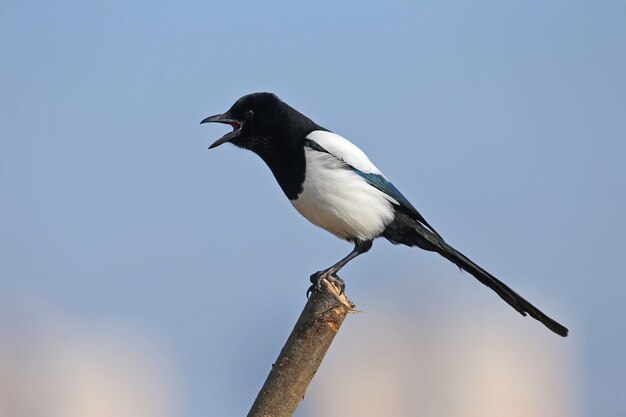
{"x":334,"y":185}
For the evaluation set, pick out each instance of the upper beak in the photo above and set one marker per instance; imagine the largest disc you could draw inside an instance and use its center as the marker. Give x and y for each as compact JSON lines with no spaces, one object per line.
{"x":225,"y":118}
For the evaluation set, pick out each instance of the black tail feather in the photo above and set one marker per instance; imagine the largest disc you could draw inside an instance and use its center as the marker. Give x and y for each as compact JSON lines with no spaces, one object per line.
{"x":409,"y":231}
{"x":507,"y":294}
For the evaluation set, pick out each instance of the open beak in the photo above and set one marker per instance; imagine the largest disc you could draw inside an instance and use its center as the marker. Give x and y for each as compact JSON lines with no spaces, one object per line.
{"x":225,"y":118}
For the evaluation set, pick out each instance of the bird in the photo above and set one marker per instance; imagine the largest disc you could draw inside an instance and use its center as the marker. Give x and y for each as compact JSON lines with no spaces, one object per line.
{"x":334,"y":185}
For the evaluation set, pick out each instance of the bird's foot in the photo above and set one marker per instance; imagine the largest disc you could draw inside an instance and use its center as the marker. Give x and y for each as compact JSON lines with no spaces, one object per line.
{"x":330,"y":275}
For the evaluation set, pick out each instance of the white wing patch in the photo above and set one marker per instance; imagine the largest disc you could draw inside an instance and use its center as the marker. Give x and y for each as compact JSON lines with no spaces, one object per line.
{"x":345,"y":150}
{"x":337,"y":199}
{"x":335,"y":146}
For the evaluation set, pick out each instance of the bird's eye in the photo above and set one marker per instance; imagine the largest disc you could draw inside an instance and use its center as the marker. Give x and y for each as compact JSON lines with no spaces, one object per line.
{"x":249,"y":113}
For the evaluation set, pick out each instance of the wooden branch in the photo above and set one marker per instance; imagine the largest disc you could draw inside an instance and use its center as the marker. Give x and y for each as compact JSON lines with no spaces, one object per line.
{"x":302,"y":354}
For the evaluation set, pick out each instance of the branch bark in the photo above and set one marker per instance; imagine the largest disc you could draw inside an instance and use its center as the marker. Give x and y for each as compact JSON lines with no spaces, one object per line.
{"x":302,"y":354}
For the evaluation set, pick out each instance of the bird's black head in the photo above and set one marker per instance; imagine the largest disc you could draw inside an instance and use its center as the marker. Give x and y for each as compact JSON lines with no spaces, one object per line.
{"x":261,"y":122}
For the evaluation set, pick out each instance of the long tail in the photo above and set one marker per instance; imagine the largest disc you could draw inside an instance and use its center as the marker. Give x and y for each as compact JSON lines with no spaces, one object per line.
{"x":429,"y":241}
{"x":514,"y":299}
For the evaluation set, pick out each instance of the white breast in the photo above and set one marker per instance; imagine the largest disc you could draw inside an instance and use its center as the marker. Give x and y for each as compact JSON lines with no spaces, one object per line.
{"x":338,"y":200}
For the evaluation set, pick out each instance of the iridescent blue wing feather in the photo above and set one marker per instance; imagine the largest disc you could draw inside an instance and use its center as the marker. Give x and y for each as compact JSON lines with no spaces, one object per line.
{"x":380,"y":183}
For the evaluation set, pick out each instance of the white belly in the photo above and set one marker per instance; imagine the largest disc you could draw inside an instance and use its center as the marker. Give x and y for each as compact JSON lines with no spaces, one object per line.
{"x":340,"y":201}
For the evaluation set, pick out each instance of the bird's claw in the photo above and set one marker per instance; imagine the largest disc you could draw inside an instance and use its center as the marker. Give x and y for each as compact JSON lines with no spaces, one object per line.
{"x":316,"y":281}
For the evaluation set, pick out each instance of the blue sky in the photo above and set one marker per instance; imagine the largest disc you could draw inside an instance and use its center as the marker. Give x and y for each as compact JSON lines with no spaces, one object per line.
{"x":502,"y":122}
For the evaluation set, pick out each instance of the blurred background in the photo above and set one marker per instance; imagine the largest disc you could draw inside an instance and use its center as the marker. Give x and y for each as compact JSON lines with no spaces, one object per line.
{"x":142,"y":275}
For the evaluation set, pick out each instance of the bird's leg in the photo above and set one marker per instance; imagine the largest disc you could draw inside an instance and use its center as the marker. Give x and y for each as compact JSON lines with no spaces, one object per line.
{"x":360,"y":246}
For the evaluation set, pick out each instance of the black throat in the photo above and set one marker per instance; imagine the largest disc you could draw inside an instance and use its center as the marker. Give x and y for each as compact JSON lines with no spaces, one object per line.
{"x":282,"y":149}
{"x":288,"y":167}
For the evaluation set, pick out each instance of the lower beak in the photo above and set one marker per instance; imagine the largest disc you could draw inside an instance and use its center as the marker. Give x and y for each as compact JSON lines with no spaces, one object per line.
{"x":225,"y":118}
